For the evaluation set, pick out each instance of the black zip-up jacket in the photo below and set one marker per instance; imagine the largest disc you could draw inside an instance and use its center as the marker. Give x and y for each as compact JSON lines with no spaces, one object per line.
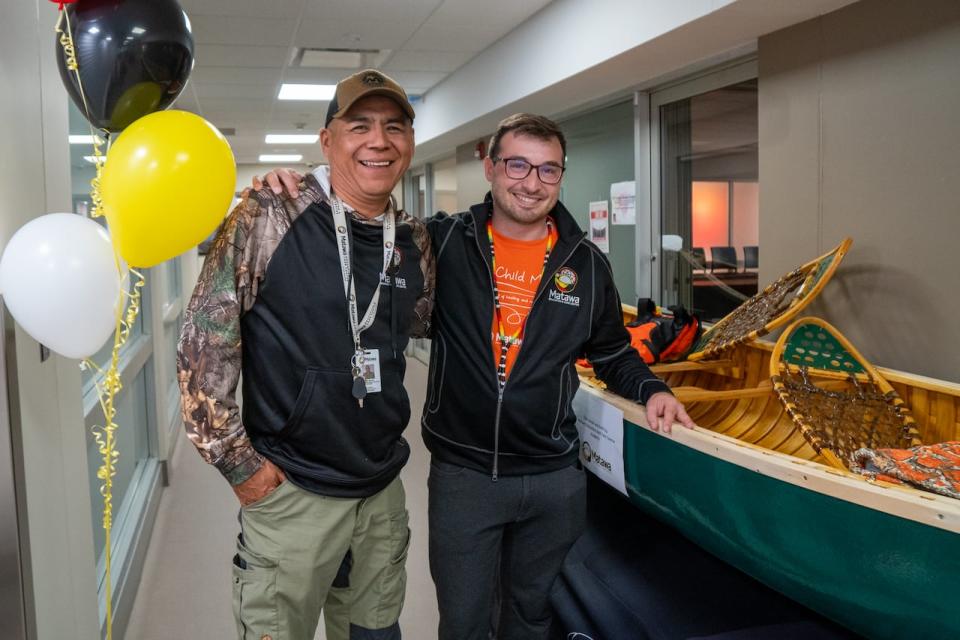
{"x":270,"y":302}
{"x":530,"y":427}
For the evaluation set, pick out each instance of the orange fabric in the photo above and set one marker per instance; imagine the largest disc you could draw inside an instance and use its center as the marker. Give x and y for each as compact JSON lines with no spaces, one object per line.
{"x":639,"y":337}
{"x":934,"y":467}
{"x":518,"y":273}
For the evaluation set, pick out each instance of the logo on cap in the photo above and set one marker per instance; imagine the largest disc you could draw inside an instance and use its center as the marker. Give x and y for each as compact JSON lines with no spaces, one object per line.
{"x":372,"y":79}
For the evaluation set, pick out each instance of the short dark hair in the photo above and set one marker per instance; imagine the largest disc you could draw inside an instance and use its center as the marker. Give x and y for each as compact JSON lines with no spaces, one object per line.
{"x":527,"y":124}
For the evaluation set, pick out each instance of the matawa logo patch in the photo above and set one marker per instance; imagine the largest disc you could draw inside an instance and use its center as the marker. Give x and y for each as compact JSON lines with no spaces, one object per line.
{"x":565,"y":280}
{"x":392,"y":277}
{"x":373,"y":80}
{"x":397,"y":258}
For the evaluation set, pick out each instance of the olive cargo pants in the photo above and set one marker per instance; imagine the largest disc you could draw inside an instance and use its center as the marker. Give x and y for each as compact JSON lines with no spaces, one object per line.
{"x":289,"y":551}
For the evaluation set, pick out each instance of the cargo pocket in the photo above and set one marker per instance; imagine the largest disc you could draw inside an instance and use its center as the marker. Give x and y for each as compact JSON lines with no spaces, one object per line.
{"x":393,"y":587}
{"x":255,"y":595}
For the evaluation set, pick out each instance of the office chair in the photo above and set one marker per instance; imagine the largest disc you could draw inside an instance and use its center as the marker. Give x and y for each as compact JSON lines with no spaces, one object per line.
{"x":723,"y":258}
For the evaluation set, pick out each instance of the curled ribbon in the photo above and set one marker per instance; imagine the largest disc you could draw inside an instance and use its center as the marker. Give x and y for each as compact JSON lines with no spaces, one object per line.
{"x":110,"y":382}
{"x":108,"y":386}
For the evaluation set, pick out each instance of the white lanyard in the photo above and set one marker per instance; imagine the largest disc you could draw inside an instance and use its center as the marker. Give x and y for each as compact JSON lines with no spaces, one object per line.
{"x":358,"y":326}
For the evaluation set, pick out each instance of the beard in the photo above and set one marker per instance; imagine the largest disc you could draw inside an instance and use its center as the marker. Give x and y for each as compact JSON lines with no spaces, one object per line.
{"x":509,"y":205}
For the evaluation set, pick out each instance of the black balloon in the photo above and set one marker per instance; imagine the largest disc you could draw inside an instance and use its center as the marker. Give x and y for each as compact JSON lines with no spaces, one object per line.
{"x":134,"y":58}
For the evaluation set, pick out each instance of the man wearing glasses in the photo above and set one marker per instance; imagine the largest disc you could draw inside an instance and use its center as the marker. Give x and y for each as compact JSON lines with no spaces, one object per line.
{"x":520,"y":295}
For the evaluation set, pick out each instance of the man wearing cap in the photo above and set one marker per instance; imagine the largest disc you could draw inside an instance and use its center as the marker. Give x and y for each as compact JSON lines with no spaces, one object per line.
{"x":313,"y":300}
{"x":521,"y":294}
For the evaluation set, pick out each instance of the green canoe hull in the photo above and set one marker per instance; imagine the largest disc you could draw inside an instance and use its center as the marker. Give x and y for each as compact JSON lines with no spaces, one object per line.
{"x":880,"y":575}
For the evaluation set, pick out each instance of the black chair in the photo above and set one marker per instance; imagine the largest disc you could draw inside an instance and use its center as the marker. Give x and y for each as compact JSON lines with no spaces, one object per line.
{"x":723,"y":258}
{"x":751,"y":257}
{"x":699,"y":257}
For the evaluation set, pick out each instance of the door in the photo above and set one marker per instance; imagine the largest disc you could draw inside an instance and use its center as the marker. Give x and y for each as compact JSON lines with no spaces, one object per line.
{"x":705,"y":187}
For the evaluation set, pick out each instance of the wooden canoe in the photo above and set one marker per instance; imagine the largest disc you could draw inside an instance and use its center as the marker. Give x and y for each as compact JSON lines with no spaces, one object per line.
{"x":881,"y":559}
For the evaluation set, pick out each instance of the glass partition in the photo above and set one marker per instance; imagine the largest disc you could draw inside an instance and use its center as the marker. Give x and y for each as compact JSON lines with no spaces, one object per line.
{"x":709,"y":197}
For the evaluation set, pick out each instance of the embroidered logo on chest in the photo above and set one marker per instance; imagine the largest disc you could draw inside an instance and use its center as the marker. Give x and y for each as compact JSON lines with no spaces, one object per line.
{"x":565,"y":281}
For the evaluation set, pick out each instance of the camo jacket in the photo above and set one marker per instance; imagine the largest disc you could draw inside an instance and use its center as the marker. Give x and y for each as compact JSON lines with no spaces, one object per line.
{"x":209,"y":350}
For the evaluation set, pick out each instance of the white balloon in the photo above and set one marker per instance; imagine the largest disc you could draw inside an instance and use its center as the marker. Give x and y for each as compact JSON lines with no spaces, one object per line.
{"x":61,"y":282}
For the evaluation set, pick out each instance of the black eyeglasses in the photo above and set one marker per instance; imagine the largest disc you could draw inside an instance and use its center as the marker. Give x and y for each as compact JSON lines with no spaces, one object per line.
{"x":518,"y":169}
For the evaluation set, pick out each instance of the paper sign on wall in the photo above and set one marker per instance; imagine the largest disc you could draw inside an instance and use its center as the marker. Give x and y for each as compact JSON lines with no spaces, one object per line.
{"x":600,"y":225}
{"x":623,"y":195}
{"x":601,"y":438}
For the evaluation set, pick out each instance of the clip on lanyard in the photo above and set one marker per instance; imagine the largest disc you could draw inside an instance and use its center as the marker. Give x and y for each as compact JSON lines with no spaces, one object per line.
{"x":357,"y":325}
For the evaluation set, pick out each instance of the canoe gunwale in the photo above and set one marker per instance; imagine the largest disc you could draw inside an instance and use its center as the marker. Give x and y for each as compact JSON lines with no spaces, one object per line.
{"x":922,"y":507}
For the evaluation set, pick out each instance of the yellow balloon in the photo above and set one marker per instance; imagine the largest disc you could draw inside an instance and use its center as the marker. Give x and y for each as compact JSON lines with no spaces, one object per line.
{"x":168,"y":181}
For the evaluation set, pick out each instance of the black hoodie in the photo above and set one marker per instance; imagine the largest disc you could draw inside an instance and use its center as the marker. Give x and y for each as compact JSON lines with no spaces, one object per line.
{"x":530,"y":426}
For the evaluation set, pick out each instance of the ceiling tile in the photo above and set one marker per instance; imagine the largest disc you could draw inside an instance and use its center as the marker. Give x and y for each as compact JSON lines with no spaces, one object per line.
{"x":439,"y":38}
{"x":239,"y":91}
{"x":356,"y":34}
{"x":502,"y":15}
{"x":233,"y":105}
{"x":435,"y":61}
{"x":358,"y":11}
{"x":417,"y":82}
{"x":235,"y":75}
{"x":244,"y":8}
{"x":238,"y":30}
{"x":219,"y":55}
{"x":243,"y":48}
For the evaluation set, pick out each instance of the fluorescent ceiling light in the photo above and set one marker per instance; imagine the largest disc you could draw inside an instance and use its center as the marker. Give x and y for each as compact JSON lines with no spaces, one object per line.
{"x":93,"y":159}
{"x":307,"y":91}
{"x":281,"y":157}
{"x":87,"y":139}
{"x":292,"y":138}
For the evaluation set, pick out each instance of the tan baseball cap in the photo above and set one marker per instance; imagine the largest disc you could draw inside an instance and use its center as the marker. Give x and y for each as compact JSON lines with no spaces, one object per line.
{"x":368,"y":82}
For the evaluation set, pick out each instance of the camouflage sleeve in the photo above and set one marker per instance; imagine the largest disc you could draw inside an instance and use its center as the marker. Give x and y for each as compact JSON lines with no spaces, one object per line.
{"x":208,"y":354}
{"x":423,"y":309}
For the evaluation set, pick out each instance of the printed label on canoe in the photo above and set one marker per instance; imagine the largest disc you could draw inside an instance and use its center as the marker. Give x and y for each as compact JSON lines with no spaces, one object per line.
{"x":601,"y":438}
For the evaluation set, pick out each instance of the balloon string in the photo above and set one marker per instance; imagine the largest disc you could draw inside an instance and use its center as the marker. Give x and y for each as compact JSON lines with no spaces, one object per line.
{"x":96,"y":199}
{"x":70,"y":53}
{"x":109,"y":383}
{"x":108,"y":387}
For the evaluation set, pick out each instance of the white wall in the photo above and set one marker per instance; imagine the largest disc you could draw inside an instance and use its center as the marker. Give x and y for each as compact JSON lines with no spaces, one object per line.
{"x":472,"y":185}
{"x":574,"y":54}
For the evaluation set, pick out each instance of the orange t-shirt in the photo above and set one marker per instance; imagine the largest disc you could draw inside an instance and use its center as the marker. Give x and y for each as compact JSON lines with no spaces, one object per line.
{"x":519,"y":268}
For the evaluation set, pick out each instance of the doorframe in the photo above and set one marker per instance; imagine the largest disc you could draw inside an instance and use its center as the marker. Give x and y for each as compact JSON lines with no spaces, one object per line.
{"x":647,"y":140}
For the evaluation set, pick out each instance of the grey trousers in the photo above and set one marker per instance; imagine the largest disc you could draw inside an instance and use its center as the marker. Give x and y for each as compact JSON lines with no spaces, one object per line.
{"x":497,"y":547}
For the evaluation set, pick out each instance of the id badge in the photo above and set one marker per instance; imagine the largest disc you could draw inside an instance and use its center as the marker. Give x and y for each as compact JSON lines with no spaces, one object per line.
{"x":371,"y":370}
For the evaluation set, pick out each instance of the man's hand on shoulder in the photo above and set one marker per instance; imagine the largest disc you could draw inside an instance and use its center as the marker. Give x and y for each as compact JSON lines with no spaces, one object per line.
{"x":663,"y":410}
{"x":260,"y":484}
{"x":280,"y":181}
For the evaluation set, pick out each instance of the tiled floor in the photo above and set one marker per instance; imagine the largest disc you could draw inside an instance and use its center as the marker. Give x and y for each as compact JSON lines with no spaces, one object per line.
{"x":185,"y":591}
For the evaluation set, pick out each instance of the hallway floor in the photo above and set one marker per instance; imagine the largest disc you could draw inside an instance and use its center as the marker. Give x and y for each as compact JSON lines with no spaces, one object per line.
{"x":185,"y":591}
